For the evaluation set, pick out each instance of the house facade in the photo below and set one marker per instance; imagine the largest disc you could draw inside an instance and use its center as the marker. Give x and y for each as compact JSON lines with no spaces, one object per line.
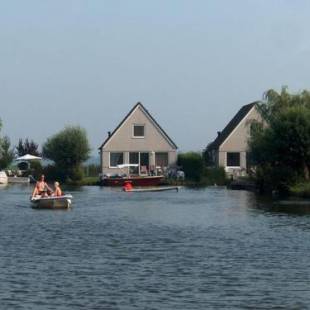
{"x":140,"y":142}
{"x":230,"y":148}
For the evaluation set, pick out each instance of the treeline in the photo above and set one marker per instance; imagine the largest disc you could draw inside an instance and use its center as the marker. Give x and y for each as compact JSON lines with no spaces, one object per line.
{"x":66,"y":150}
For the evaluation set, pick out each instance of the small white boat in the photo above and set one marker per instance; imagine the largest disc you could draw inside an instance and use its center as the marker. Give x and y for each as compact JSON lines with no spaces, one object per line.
{"x":153,"y":189}
{"x":61,"y":202}
{"x":3,"y":178}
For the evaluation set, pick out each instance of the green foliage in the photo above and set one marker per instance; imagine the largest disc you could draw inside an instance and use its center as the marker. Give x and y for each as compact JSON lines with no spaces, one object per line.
{"x":6,"y":153}
{"x":281,"y":150}
{"x":214,"y":176}
{"x":27,"y":147}
{"x":36,"y":169}
{"x":192,"y":165}
{"x":68,"y":149}
{"x":301,"y":189}
{"x":207,"y":157}
{"x":92,"y":170}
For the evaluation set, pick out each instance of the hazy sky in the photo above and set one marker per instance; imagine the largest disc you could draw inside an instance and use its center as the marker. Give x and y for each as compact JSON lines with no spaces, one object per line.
{"x":191,"y":63}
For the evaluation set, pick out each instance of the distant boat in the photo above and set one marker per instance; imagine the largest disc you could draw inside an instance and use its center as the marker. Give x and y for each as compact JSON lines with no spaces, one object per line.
{"x":3,"y":178}
{"x":153,"y":189}
{"x":135,"y":180}
{"x":61,"y":202}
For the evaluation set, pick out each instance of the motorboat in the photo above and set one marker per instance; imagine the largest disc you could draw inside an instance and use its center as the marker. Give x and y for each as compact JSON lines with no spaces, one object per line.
{"x":52,"y":202}
{"x":3,"y":178}
{"x":136,"y":180}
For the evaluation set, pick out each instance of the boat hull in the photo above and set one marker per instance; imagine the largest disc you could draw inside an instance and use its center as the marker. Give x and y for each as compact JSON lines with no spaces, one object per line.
{"x":153,"y":189}
{"x":136,"y":181}
{"x":62,"y":202}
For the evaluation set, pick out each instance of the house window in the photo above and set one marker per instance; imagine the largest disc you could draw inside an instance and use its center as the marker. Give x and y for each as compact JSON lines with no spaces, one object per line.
{"x":161,"y":159}
{"x":138,"y":131}
{"x":233,"y":159}
{"x":134,"y":160}
{"x":116,"y":158}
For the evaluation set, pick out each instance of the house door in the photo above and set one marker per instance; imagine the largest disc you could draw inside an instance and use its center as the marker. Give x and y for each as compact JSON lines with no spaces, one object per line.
{"x":144,"y":163}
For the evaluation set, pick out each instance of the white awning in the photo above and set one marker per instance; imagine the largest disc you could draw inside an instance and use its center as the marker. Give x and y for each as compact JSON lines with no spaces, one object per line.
{"x":127,"y":165}
{"x":28,"y":157}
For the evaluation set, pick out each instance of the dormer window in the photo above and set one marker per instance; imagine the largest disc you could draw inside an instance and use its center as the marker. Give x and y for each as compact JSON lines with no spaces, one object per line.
{"x":138,"y":131}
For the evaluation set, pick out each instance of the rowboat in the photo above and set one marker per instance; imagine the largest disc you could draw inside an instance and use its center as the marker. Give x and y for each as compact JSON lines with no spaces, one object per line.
{"x":61,"y":202}
{"x":153,"y":189}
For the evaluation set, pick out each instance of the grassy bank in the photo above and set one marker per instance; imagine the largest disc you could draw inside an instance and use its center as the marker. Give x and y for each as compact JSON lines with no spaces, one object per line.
{"x":300,"y":190}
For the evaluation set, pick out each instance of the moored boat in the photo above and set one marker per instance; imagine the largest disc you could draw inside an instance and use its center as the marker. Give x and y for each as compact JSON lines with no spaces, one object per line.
{"x":135,"y":180}
{"x":61,"y":202}
{"x":3,"y":178}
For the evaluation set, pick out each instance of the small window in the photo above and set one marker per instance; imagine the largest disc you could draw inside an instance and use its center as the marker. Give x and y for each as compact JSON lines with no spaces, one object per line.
{"x":233,"y":159}
{"x":138,"y":131}
{"x":116,"y":159}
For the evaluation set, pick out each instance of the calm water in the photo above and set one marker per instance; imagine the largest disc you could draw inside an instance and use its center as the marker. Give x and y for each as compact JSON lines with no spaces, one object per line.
{"x":196,"y":249}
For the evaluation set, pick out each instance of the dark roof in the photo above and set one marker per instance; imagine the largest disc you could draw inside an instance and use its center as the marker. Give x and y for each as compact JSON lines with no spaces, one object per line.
{"x":125,"y":118}
{"x":222,"y":136}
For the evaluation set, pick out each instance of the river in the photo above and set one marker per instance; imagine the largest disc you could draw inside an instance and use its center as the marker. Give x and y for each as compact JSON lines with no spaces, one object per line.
{"x":195,"y":249}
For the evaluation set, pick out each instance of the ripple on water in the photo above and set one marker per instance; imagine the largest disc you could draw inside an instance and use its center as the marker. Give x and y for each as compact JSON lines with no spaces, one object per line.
{"x":196,"y":249}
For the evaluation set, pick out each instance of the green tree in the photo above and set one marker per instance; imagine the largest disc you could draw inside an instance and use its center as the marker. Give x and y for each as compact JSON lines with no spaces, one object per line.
{"x":6,"y":154}
{"x":27,"y":147}
{"x":68,"y":149}
{"x":192,"y":165}
{"x":281,"y":150}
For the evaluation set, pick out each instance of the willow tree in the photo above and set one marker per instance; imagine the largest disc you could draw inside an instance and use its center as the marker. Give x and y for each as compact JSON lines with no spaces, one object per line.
{"x":281,"y":150}
{"x":68,"y":149}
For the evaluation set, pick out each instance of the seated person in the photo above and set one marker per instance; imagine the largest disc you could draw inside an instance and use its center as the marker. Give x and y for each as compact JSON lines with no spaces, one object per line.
{"x":41,"y":188}
{"x":57,"y":192}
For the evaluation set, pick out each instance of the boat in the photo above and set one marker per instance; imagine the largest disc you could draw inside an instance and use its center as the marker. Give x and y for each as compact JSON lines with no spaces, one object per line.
{"x":135,"y":180}
{"x":3,"y":178}
{"x":60,"y":202}
{"x":153,"y":189}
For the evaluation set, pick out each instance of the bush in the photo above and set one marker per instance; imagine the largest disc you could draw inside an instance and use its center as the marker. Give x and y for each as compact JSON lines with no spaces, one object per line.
{"x":214,"y":176}
{"x":192,"y":165}
{"x":68,"y":149}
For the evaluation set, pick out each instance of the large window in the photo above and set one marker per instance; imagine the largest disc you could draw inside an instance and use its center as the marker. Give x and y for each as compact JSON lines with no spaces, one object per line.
{"x":138,"y":131}
{"x":116,"y":158}
{"x":233,"y":159}
{"x":161,"y":159}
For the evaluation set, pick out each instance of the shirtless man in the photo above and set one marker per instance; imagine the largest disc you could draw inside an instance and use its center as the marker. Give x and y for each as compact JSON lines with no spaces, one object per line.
{"x":41,"y":188}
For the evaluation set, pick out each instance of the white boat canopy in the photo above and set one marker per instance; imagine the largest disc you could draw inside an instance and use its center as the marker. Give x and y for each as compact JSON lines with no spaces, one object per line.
{"x":127,"y":165}
{"x":28,"y":157}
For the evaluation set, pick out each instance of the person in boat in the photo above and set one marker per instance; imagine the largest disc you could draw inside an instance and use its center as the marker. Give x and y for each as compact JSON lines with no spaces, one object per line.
{"x":57,"y":192}
{"x":127,"y":186}
{"x":41,"y":188}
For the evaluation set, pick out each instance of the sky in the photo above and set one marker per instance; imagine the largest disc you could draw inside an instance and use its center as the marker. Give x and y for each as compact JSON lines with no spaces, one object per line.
{"x":193,"y":64}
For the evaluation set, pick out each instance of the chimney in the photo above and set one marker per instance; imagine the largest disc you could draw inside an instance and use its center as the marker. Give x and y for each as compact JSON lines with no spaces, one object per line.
{"x":109,"y":134}
{"x":218,"y":133}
